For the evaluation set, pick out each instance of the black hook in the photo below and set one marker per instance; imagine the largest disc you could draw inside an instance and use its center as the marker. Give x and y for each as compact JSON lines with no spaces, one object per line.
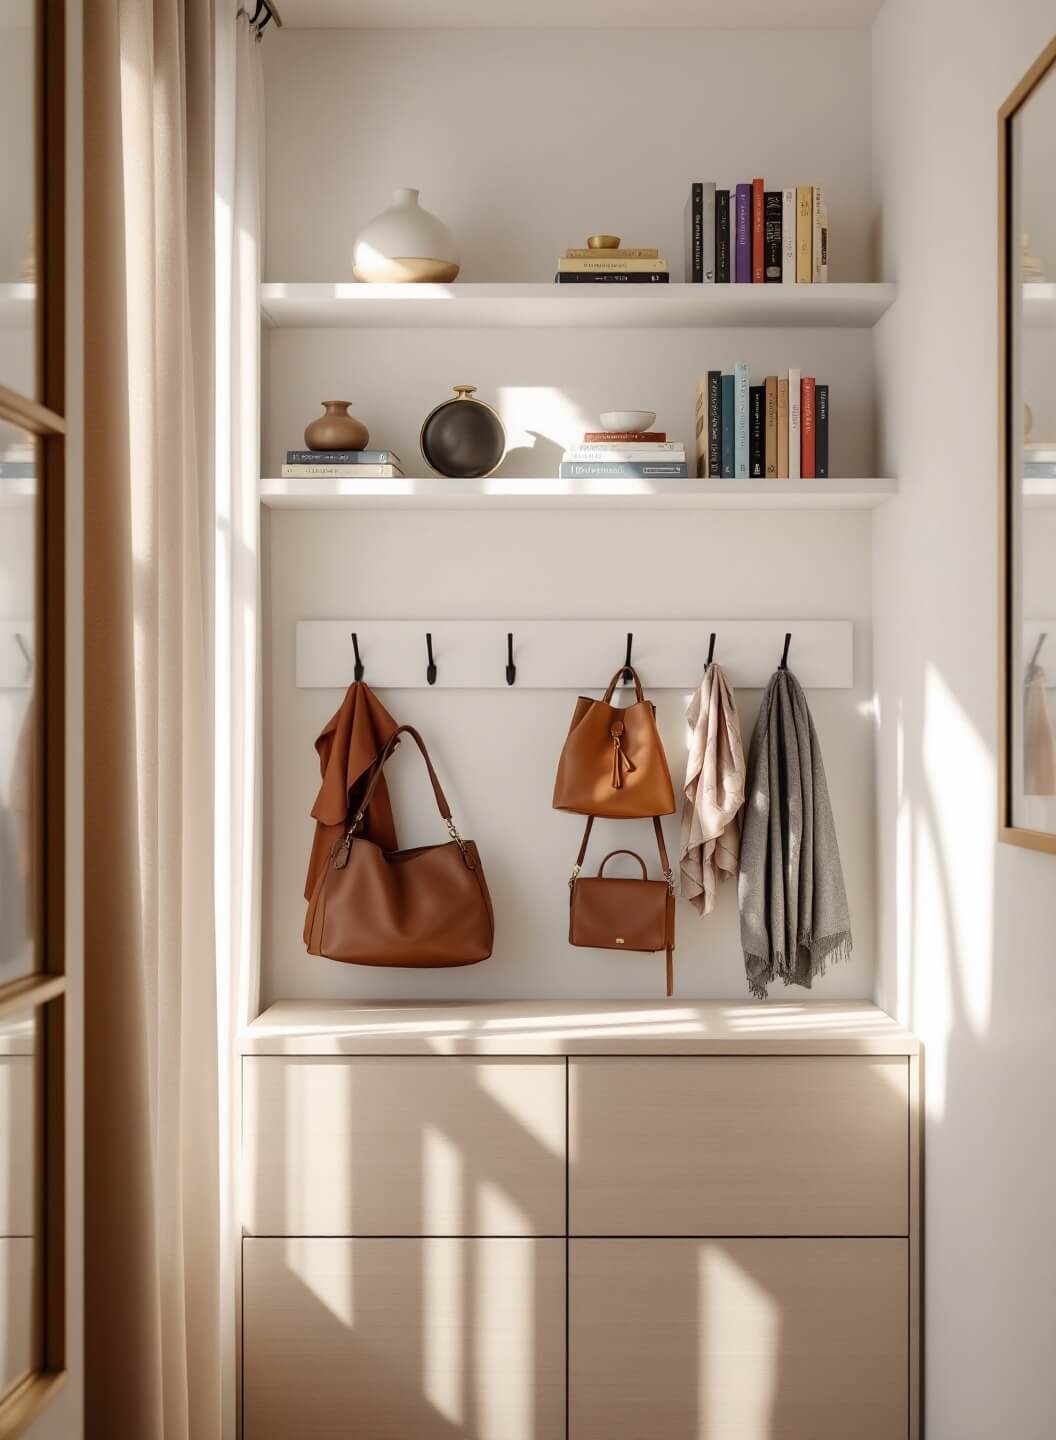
{"x":430,"y":673}
{"x":1037,"y":649}
{"x":256,"y":13}
{"x":511,"y":668}
{"x":711,"y":649}
{"x":627,"y":661}
{"x":784,"y":653}
{"x":358,"y":671}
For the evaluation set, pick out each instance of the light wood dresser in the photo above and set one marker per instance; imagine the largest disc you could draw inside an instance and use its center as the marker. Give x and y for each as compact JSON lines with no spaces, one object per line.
{"x":605,"y":1221}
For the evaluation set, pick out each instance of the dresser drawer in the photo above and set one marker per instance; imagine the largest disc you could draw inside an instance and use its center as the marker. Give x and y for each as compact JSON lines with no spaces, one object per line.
{"x":404,"y":1339}
{"x":739,"y":1339}
{"x":425,"y":1145}
{"x":739,"y":1145}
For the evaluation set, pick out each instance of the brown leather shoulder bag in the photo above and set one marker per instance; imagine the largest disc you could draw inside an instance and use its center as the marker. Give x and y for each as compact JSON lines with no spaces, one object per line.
{"x":614,"y":913}
{"x":613,"y":763}
{"x":419,"y":909}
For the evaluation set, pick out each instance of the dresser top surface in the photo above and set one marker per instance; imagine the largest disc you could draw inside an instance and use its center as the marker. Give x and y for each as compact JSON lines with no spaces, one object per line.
{"x":561,"y":1027}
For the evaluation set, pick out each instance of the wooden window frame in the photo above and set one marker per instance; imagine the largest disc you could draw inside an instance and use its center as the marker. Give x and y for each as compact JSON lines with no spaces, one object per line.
{"x":44,"y":991}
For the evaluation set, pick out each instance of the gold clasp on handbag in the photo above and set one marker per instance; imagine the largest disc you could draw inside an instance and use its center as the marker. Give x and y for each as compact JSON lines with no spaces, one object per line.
{"x":670,"y":878}
{"x":573,"y":877}
{"x":455,"y":836}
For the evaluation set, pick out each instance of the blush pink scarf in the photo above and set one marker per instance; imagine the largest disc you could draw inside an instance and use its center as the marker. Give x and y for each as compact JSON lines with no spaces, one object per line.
{"x":714,"y":791}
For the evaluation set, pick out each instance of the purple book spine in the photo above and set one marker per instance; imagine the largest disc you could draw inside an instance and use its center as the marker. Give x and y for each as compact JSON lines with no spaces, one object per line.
{"x":743,"y":233}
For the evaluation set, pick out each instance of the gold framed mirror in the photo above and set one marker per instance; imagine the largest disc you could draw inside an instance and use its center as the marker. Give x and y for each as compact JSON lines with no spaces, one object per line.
{"x":1027,"y":400}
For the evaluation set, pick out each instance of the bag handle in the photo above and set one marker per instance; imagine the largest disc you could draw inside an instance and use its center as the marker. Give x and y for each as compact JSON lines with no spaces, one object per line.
{"x":634,"y":856}
{"x":624,"y":670}
{"x":665,"y":864}
{"x":379,"y":765}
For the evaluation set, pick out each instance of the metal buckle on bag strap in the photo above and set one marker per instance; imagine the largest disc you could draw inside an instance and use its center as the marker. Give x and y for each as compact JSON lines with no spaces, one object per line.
{"x":669,"y":876}
{"x":455,"y":836}
{"x":574,"y":876}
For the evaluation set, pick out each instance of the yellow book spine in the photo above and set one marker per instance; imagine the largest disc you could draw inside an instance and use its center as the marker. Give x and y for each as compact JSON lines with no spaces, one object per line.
{"x":701,"y":428}
{"x":804,"y":235}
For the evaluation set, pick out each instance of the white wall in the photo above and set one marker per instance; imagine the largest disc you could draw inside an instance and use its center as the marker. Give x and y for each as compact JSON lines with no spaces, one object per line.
{"x":528,"y":141}
{"x":966,"y":926}
{"x":497,"y":750}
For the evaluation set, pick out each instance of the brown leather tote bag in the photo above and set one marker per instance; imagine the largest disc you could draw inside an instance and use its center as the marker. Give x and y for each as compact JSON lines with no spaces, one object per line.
{"x":418,"y":909}
{"x":613,"y":913}
{"x":613,"y":763}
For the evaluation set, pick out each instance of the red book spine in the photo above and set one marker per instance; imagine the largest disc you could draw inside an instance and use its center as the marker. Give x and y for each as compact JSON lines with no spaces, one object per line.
{"x":807,"y":421}
{"x":603,"y":437}
{"x":758,"y":232}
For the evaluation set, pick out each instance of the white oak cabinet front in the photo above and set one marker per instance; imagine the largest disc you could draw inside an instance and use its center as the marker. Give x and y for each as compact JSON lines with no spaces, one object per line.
{"x":633,"y":1243}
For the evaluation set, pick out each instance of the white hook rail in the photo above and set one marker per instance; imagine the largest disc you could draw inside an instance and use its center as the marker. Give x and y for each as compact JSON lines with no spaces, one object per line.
{"x":570,"y":654}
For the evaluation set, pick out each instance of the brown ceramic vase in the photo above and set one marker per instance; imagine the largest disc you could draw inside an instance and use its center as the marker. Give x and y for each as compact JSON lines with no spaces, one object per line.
{"x":336,"y":429}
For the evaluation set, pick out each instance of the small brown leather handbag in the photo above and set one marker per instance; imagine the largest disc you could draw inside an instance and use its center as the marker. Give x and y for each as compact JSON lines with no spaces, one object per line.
{"x":614,"y":913}
{"x":613,"y":763}
{"x":418,"y":909}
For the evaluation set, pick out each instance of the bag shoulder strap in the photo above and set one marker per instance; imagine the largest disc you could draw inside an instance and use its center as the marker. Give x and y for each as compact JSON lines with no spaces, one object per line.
{"x":441,"y":799}
{"x":624,"y":670}
{"x":665,"y":864}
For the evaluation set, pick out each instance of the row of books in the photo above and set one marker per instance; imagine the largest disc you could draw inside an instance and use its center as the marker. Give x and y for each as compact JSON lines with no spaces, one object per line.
{"x":1039,"y":462}
{"x":752,"y":235}
{"x":616,"y":455}
{"x":340,"y":464}
{"x":641,"y":265}
{"x":776,"y":430}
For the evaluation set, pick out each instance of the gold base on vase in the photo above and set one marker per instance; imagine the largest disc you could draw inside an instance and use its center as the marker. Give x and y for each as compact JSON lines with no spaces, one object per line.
{"x":409,"y":270}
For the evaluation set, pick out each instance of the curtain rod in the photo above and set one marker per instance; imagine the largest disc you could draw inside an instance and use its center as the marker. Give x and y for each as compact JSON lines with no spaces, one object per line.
{"x":266,"y":10}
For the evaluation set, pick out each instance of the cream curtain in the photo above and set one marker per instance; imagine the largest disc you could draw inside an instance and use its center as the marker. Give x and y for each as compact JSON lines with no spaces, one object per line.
{"x":153,"y":1343}
{"x":239,"y":226}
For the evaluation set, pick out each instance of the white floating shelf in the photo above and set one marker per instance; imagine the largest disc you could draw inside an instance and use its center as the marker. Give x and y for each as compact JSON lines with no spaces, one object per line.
{"x":518,"y":493}
{"x":644,"y":306}
{"x":1039,"y":305}
{"x":17,"y":305}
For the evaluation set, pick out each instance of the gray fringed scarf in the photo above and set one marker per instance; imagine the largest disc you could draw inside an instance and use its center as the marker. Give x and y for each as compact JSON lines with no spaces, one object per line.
{"x":794,"y":916}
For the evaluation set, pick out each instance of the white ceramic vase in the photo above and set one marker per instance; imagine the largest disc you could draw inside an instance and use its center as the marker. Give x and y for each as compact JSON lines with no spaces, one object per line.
{"x":405,"y":243}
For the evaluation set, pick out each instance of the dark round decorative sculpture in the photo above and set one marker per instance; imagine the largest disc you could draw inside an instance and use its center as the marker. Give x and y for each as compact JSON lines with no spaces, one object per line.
{"x":463,"y":439}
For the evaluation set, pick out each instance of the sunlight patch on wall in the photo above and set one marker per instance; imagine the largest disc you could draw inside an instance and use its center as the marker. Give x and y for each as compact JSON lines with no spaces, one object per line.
{"x":533,"y":411}
{"x":959,"y":767}
{"x":503,"y":1323}
{"x":443,"y":1323}
{"x":443,"y":1184}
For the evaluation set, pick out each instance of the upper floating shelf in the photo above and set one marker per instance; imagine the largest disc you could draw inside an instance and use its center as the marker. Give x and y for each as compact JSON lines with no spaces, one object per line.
{"x":518,"y":493}
{"x":632,"y":306}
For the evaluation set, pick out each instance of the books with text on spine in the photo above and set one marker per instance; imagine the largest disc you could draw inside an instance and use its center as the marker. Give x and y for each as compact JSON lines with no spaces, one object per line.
{"x":726,"y":410}
{"x":722,"y":237}
{"x":625,"y":437}
{"x":817,"y":218}
{"x":613,"y":277}
{"x":700,"y":233}
{"x":740,"y":442}
{"x":807,"y":397}
{"x":795,"y":428}
{"x":782,"y":427}
{"x":743,"y":232}
{"x":804,"y":235}
{"x":603,"y":263}
{"x":624,"y":470}
{"x":756,"y":423}
{"x":772,"y":223}
{"x":770,"y":449}
{"x":714,"y":423}
{"x":821,"y":431}
{"x":758,"y":231}
{"x":624,"y":252}
{"x":669,"y":450}
{"x":342,"y":472}
{"x":788,"y":236}
{"x":342,"y":457}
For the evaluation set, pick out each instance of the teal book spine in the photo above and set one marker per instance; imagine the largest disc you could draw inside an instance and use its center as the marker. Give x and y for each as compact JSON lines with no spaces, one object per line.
{"x":727,"y":427}
{"x":740,"y":420}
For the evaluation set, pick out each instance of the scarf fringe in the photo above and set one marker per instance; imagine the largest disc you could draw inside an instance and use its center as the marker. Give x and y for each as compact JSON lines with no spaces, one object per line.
{"x":825,"y":950}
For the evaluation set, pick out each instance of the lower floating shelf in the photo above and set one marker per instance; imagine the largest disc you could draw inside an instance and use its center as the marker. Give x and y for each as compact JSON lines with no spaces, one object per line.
{"x":519,"y":493}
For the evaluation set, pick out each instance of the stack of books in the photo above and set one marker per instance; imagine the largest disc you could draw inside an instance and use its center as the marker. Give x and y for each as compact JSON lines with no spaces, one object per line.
{"x":342,"y":464}
{"x":618,"y":455}
{"x":752,"y":235}
{"x":636,"y":266}
{"x":776,"y":430}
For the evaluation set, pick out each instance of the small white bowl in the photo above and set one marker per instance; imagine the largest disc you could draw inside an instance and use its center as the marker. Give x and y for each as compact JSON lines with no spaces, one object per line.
{"x":627,"y":420}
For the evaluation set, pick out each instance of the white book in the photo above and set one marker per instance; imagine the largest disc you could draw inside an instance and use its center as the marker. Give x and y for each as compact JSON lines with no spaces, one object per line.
{"x":669,"y":451}
{"x":788,"y":236}
{"x":740,"y":419}
{"x":818,"y":209}
{"x":795,"y":436}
